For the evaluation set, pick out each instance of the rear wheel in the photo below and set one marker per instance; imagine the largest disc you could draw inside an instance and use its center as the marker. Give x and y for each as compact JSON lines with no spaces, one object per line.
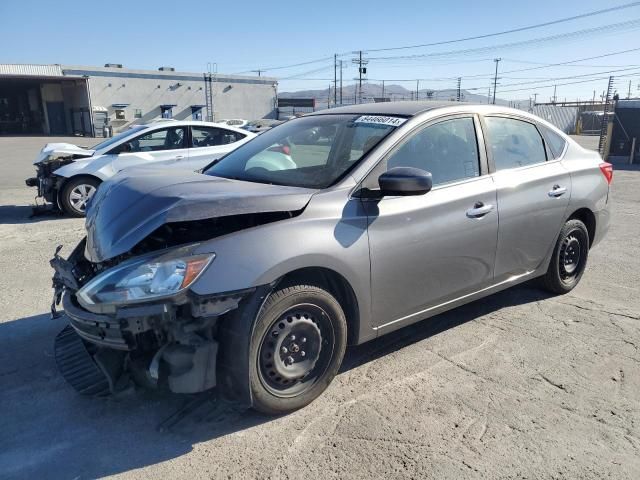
{"x":76,"y":193}
{"x":569,"y":258}
{"x":296,"y":349}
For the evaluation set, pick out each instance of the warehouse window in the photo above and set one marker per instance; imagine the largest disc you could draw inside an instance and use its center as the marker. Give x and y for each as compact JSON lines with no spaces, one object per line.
{"x":120,"y":114}
{"x":137,"y":113}
{"x":166,"y":111}
{"x":196,"y":113}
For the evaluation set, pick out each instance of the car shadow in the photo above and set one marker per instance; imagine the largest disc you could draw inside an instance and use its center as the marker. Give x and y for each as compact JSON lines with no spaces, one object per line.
{"x":19,"y":214}
{"x":49,"y":431}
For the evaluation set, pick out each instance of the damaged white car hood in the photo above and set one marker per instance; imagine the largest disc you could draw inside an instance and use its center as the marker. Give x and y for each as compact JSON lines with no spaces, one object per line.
{"x":51,"y":151}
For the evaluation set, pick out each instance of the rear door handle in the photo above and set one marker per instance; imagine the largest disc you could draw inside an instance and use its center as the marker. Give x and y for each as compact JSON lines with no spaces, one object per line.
{"x":479,"y":210}
{"x":557,"y":191}
{"x":179,"y":157}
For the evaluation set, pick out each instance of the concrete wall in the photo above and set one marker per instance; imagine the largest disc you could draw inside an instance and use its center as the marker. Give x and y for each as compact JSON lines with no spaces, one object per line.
{"x":145,"y":90}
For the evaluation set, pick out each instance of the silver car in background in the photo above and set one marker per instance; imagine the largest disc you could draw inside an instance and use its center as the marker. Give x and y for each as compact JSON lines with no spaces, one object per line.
{"x":330,"y":229}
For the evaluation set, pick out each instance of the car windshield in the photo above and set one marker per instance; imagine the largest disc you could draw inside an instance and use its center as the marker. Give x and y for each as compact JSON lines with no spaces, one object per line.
{"x":116,"y":138}
{"x":309,"y":152}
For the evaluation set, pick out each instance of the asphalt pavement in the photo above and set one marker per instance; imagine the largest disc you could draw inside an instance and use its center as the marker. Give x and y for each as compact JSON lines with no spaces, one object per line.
{"x":518,"y":385}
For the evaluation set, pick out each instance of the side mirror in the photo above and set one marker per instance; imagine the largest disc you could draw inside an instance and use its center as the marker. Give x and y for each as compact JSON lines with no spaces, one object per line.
{"x":405,"y":181}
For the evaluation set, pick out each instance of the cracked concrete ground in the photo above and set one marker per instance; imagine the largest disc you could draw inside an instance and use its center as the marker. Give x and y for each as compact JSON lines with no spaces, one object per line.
{"x":518,"y":385}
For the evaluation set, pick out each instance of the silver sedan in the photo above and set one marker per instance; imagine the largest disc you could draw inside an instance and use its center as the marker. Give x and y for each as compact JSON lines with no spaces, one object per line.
{"x":334,"y":228}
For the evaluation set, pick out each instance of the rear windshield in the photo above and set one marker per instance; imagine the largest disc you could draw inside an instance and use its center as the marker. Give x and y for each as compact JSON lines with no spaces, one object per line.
{"x":310,"y":152}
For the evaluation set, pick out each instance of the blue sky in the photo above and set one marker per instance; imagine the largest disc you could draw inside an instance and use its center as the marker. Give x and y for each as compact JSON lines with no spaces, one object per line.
{"x":246,"y":35}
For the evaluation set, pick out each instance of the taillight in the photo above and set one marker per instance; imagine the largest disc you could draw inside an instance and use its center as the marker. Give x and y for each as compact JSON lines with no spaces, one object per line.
{"x":607,"y":171}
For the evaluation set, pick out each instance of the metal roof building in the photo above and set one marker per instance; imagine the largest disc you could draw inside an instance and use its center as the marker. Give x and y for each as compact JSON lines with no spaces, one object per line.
{"x":81,"y":100}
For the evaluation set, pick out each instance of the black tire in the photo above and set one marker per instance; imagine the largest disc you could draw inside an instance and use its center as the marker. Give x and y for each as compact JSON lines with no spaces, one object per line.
{"x":569,"y":258}
{"x":294,"y":319}
{"x":74,"y":206}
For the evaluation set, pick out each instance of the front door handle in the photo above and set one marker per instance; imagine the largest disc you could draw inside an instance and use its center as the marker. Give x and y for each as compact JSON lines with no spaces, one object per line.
{"x":179,"y":157}
{"x":557,"y":191}
{"x":479,"y":210}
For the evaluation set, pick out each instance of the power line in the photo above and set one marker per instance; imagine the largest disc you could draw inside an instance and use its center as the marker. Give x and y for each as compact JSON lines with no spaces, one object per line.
{"x":634,"y":74}
{"x":567,"y":78}
{"x":301,"y":64}
{"x":445,"y":42}
{"x":514,"y":30}
{"x":559,"y":64}
{"x":606,"y":29}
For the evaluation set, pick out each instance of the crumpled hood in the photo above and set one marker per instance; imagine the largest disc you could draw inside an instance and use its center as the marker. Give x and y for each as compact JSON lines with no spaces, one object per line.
{"x":129,"y":207}
{"x":58,"y":150}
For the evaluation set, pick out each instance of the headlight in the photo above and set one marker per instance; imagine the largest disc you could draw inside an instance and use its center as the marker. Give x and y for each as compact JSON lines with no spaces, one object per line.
{"x":143,"y":279}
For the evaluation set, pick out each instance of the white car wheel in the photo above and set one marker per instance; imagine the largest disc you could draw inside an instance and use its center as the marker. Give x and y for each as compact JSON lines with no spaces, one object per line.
{"x":76,"y":194}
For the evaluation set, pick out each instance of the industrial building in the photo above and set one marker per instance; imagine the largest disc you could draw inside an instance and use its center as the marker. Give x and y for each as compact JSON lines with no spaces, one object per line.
{"x":80,"y":100}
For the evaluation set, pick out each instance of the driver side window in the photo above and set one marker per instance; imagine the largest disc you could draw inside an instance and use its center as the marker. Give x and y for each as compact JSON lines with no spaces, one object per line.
{"x":164,"y":139}
{"x":447,"y":149}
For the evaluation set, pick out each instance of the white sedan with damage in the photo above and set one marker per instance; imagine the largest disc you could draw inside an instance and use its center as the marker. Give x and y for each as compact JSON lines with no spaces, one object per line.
{"x":68,"y":175}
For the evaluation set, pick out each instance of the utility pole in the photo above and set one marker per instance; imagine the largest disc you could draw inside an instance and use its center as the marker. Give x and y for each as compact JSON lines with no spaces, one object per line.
{"x":554,"y":93}
{"x":259,"y":72}
{"x":340,"y":82}
{"x":629,"y":94}
{"x":417,"y":89}
{"x":459,"y":94}
{"x":489,"y":95}
{"x":495,"y":79}
{"x":383,"y":90}
{"x":535,"y":99}
{"x":329,"y":97}
{"x":361,"y":70}
{"x":335,"y":79}
{"x":360,"y":81}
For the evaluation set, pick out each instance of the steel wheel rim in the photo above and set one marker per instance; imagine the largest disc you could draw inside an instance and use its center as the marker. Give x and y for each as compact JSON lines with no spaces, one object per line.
{"x":571,"y":259}
{"x":80,"y":195}
{"x":283,"y":369}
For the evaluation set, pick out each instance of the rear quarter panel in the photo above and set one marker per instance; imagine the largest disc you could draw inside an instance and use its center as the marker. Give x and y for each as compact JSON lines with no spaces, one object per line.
{"x":589,"y":188}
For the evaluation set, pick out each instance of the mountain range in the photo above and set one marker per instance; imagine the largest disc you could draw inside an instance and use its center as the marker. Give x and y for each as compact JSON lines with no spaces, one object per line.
{"x":394,"y":92}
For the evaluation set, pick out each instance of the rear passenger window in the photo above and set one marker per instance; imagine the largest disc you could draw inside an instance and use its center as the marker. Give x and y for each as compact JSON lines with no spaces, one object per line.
{"x":448,"y":150}
{"x":514,"y":143}
{"x":556,"y":142}
{"x":212,"y":137}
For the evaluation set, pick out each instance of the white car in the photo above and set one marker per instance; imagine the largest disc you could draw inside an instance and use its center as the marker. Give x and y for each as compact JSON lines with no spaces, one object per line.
{"x":68,"y":175}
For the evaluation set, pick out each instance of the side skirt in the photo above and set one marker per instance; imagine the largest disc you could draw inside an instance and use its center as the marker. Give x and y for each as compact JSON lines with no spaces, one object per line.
{"x":443,"y":307}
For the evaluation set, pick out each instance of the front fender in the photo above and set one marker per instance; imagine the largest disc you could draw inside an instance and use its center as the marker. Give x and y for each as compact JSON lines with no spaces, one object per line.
{"x":326,"y":235}
{"x":100,"y":167}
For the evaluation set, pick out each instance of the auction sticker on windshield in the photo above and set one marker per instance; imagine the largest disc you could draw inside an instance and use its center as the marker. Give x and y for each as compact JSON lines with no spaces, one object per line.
{"x":381,"y":120}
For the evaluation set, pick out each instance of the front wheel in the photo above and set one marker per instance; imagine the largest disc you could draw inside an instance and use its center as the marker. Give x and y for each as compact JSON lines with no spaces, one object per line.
{"x":569,"y":258}
{"x":297,"y":347}
{"x":76,"y":193}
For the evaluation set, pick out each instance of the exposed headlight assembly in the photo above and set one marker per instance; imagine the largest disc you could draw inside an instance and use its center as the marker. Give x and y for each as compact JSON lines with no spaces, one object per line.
{"x":143,"y":279}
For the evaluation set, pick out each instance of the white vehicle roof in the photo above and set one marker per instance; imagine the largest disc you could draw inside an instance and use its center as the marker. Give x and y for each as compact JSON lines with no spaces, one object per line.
{"x":194,"y":123}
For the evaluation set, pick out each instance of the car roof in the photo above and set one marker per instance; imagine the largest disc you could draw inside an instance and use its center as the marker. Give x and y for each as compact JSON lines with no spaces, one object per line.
{"x":405,"y":109}
{"x":413,"y":108}
{"x":195,"y":123}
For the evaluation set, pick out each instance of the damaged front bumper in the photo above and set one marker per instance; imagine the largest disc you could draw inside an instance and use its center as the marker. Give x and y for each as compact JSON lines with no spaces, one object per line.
{"x":47,"y":183}
{"x":171,"y":343}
